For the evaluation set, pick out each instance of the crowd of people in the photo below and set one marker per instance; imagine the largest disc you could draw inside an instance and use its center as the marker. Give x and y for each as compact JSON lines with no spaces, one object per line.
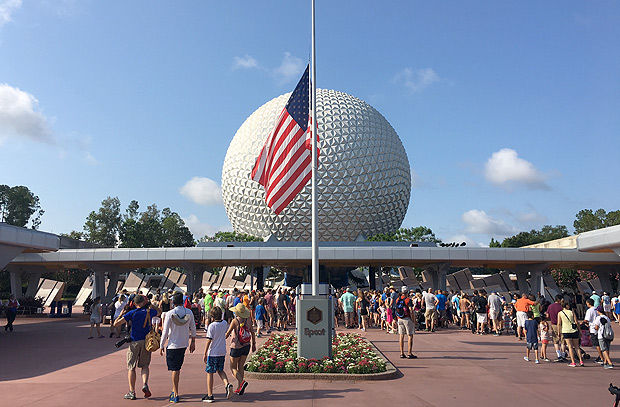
{"x":245,"y":315}
{"x":570,"y":322}
{"x":237,"y":314}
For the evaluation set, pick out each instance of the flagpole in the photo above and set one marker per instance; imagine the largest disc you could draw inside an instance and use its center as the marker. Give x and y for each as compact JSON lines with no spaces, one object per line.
{"x":315,"y":223}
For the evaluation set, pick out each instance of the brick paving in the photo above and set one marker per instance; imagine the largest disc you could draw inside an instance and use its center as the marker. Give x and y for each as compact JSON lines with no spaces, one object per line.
{"x":51,"y":363}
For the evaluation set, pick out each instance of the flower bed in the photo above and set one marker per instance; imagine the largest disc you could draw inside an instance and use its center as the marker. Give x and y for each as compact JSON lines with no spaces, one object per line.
{"x":351,"y":355}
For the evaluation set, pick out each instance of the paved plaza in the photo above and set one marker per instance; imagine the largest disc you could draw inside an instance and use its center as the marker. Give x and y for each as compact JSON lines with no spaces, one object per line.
{"x":48,"y":362}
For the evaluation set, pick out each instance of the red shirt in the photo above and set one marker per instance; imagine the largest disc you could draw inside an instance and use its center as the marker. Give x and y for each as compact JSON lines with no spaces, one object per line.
{"x":553,"y":310}
{"x":523,"y":304}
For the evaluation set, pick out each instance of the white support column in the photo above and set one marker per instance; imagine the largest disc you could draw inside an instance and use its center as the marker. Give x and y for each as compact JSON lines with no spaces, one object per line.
{"x":16,"y":283}
{"x":98,"y":284}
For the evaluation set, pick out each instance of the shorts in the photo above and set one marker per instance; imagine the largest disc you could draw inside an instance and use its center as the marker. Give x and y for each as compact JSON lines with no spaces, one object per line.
{"x":555,"y":334}
{"x":465,"y":312}
{"x":521,"y":318}
{"x":175,"y":358}
{"x":606,"y":307}
{"x":442,"y":313}
{"x":405,"y":326}
{"x":137,"y":355}
{"x":481,"y":318}
{"x":260,"y":324}
{"x":571,"y":335}
{"x":493,"y":314}
{"x":238,"y":352}
{"x":363,"y":312}
{"x":532,"y":346}
{"x":545,"y":341}
{"x":604,"y":344}
{"x":282,"y":316}
{"x":431,"y":314}
{"x":594,"y":339}
{"x":95,"y":320}
{"x":215,"y":364}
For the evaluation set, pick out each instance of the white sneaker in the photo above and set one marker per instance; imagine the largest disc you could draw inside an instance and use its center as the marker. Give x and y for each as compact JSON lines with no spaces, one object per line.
{"x":537,"y":362}
{"x":526,"y":358}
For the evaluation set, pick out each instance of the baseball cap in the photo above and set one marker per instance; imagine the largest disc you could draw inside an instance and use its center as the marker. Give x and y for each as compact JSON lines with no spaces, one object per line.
{"x":404,"y":289}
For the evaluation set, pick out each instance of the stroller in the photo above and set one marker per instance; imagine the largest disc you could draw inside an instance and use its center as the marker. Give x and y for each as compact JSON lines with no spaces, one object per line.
{"x":584,"y":340}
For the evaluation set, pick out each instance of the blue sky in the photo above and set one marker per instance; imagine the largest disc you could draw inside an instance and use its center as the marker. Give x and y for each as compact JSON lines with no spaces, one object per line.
{"x":508,"y":111}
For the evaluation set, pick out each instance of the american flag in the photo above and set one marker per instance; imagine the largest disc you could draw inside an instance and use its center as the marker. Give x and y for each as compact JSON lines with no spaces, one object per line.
{"x":283,"y":166}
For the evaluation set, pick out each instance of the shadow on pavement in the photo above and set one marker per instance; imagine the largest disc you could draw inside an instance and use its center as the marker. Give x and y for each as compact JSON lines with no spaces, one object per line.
{"x":26,"y":354}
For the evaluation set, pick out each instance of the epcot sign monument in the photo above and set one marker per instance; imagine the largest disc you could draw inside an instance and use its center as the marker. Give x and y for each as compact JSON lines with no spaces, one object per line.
{"x":364,"y":179}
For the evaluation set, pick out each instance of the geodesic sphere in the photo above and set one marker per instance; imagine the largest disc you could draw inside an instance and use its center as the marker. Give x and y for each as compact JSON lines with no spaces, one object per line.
{"x":364,"y":180}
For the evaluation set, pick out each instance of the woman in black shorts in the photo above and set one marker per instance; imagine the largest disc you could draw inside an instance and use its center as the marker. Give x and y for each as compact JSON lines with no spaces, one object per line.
{"x":243,"y":337}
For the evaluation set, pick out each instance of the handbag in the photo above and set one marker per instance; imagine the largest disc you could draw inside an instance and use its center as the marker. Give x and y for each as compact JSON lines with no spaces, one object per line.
{"x":573,"y":323}
{"x":152,"y":339}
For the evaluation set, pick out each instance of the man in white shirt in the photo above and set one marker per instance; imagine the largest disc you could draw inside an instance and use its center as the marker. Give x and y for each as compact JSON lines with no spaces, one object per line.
{"x":590,"y":318}
{"x":179,"y":324}
{"x":430,"y":316}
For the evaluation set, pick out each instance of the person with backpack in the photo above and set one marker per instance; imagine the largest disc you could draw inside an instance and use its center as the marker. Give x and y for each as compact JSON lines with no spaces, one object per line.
{"x":243,"y":338}
{"x":605,"y":335}
{"x":403,"y":308}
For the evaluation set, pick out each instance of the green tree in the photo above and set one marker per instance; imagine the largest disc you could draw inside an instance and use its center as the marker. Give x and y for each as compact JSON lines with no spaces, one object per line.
{"x":414,"y":234}
{"x":175,"y":233}
{"x":494,"y":243}
{"x":153,"y":229}
{"x":547,"y":233}
{"x":18,"y":205}
{"x":231,"y":237}
{"x":102,"y":227}
{"x":587,"y":220}
{"x":74,"y":234}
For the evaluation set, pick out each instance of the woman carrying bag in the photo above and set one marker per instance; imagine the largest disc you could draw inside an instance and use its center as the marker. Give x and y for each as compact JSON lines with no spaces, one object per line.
{"x":243,"y":338}
{"x":567,"y":326}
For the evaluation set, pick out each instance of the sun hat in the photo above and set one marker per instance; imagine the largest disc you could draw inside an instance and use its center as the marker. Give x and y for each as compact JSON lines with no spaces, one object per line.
{"x":241,"y":311}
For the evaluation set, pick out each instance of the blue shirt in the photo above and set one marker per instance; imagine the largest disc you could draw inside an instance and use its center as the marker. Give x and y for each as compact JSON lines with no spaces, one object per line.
{"x":236,"y":301}
{"x":531,"y":328}
{"x":442,"y":302}
{"x":596,"y":299}
{"x":348,"y":302}
{"x":137,"y":317}
{"x":259,"y":313}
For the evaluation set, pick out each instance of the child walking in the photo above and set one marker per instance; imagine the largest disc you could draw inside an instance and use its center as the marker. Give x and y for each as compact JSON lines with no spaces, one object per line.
{"x":531,"y":336}
{"x":259,"y":316}
{"x":545,"y":336}
{"x":215,"y":353}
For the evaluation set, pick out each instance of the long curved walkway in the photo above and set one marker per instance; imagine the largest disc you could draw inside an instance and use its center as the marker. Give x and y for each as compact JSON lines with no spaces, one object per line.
{"x":51,"y":363}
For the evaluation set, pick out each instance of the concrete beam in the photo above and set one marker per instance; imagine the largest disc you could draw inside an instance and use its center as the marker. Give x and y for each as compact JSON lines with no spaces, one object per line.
{"x":438,"y":274}
{"x":8,"y":253}
{"x":603,"y":273}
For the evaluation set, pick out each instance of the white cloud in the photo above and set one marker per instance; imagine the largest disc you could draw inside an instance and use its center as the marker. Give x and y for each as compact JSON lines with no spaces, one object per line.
{"x":200,"y":229}
{"x":19,"y":116}
{"x":203,"y":191}
{"x":416,"y":180}
{"x":291,"y":68}
{"x":417,"y":80}
{"x":245,"y":62}
{"x":7,"y":8}
{"x":504,"y":168}
{"x":478,"y":221}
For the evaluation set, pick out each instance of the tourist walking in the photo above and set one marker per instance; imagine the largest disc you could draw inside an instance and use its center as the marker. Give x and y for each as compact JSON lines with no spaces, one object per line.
{"x":605,"y":335}
{"x":137,"y":355}
{"x":430,"y":303}
{"x":95,"y":318}
{"x":567,"y":325}
{"x":243,"y":338}
{"x":531,"y":336}
{"x":179,"y":326}
{"x":11,"y":312}
{"x":405,"y":322}
{"x":348,"y":307}
{"x":215,"y":353}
